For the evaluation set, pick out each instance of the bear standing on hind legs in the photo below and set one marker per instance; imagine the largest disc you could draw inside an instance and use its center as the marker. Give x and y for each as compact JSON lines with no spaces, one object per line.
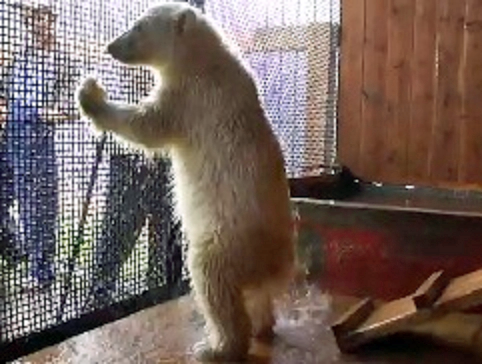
{"x":229,"y":178}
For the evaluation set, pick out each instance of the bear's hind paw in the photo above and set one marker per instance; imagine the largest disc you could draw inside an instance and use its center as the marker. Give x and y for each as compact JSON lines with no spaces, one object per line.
{"x":204,"y":353}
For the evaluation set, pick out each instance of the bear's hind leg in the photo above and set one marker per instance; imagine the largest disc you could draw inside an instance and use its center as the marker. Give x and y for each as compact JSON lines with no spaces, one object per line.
{"x":260,"y":308}
{"x":221,"y":303}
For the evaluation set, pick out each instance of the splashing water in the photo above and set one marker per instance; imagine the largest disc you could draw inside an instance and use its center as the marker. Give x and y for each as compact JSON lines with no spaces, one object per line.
{"x":304,"y":304}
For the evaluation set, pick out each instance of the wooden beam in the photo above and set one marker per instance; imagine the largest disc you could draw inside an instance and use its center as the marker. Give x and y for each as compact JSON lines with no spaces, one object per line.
{"x":400,"y":315}
{"x":431,"y":289}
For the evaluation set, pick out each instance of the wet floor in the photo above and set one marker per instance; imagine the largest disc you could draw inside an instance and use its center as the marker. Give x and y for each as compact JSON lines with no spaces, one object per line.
{"x":165,"y":333}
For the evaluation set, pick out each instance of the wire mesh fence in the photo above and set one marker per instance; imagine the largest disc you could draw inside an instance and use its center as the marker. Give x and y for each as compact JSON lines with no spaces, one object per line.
{"x":87,"y":223}
{"x":292,"y":48}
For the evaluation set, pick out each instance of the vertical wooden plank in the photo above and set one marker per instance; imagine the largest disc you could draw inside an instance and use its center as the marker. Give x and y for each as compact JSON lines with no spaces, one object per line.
{"x":444,"y":154}
{"x":398,"y":89}
{"x":351,"y":81}
{"x":373,"y":137}
{"x":423,"y":90}
{"x":471,"y":146}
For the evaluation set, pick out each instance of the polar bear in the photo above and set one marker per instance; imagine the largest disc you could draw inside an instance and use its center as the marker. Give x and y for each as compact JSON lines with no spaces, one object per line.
{"x":229,"y":178}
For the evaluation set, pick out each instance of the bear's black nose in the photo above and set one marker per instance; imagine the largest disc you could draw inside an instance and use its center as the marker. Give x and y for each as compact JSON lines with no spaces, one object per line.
{"x":117,"y":48}
{"x":111,"y":48}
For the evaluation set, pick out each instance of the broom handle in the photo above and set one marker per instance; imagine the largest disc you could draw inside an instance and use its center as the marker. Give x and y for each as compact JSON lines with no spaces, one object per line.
{"x":80,"y":233}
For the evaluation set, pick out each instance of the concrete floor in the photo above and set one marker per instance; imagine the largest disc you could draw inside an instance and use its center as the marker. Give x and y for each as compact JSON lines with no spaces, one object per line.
{"x":165,"y":334}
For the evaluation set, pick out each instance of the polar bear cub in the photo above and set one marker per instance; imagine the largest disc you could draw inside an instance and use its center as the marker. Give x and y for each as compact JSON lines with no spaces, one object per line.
{"x":229,"y":178}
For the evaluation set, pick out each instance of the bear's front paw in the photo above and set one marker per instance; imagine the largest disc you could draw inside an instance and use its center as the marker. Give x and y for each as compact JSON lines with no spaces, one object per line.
{"x":203,"y":352}
{"x":91,"y":97}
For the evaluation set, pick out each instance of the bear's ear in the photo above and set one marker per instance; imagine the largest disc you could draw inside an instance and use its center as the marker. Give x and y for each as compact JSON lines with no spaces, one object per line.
{"x":184,"y":21}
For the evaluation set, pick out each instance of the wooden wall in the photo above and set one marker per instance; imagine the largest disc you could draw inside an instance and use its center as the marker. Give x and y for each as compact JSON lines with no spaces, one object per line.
{"x":411,"y":91}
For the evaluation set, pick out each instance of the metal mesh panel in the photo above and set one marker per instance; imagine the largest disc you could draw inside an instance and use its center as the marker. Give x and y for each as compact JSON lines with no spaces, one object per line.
{"x":86,"y":224}
{"x":292,"y":48}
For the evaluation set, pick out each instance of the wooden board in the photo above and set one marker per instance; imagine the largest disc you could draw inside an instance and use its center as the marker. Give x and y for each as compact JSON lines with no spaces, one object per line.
{"x":351,"y":82}
{"x":430,"y":290}
{"x":354,"y":317}
{"x":398,"y":315}
{"x":444,"y":157}
{"x":462,"y":293}
{"x":422,"y":89}
{"x":471,"y":148}
{"x":373,"y":134}
{"x":398,"y":88}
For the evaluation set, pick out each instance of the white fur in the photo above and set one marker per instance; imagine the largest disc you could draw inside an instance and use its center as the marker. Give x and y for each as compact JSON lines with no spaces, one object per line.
{"x":230,"y":184}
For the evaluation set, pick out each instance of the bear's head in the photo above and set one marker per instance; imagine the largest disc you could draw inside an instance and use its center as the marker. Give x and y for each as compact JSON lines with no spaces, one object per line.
{"x":155,"y":38}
